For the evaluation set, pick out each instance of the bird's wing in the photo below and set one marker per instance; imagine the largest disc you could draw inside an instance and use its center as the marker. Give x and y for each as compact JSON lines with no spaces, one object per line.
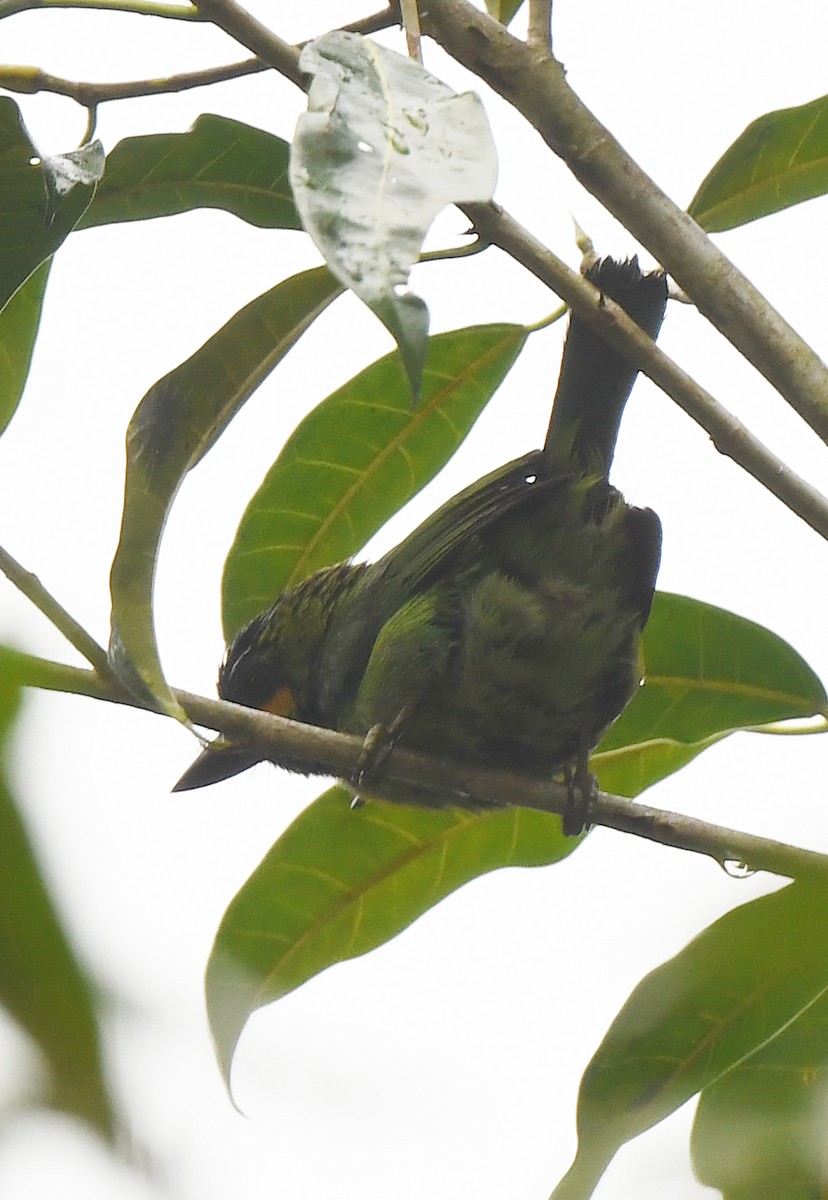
{"x":421,"y":558}
{"x":418,"y":564}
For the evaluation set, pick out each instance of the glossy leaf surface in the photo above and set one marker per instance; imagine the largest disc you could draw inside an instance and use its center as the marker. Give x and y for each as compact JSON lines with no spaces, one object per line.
{"x":219,"y":163}
{"x":173,"y":427}
{"x":262,"y":952}
{"x":19,"y":322}
{"x":725,"y":996}
{"x":383,"y":148}
{"x":708,"y":672}
{"x":341,"y":881}
{"x":781,"y":159}
{"x":356,"y":459}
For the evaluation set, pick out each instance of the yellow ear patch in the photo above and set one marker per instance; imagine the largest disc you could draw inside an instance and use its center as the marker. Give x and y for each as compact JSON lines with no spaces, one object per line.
{"x":281,"y":703}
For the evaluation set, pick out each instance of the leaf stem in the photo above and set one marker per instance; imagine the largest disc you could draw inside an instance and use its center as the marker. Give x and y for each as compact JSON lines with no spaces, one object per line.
{"x":75,"y":634}
{"x":545,"y":322}
{"x":477,"y":246}
{"x":316,"y":751}
{"x":410,"y":13}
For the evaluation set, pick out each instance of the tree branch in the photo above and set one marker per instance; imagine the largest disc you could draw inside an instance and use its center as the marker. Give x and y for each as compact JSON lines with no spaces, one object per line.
{"x":729,"y":436}
{"x":317,"y":751}
{"x":536,"y":86}
{"x":612,"y":323}
{"x":75,"y":634}
{"x":251,"y":33}
{"x":29,"y":80}
{"x":539,"y":33}
{"x":143,"y":8}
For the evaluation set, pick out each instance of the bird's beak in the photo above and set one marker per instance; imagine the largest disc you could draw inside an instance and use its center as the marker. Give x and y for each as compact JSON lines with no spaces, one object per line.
{"x":212,"y":766}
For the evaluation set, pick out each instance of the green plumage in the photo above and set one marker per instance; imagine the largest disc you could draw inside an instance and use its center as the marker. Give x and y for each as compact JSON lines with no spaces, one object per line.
{"x":503,"y":631}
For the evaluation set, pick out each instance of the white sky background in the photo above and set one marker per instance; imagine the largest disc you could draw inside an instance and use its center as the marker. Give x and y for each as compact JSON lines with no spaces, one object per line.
{"x":446,"y":1063}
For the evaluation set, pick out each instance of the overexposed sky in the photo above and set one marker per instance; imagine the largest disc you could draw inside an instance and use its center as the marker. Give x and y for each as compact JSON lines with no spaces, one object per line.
{"x":446,"y":1063}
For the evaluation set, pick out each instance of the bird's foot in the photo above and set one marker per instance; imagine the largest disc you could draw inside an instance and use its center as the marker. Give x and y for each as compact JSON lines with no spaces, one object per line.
{"x":377,"y":745}
{"x":582,"y":788}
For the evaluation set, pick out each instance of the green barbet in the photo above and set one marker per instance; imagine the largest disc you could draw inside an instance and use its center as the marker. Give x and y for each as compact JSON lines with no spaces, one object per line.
{"x":504,"y":631}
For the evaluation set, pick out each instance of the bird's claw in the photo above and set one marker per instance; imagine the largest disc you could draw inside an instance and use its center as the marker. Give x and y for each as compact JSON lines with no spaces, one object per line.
{"x":376,"y":747}
{"x":378,"y":744}
{"x":582,"y":788}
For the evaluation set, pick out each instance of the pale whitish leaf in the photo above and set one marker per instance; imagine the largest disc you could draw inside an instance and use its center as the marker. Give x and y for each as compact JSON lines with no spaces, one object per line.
{"x":383,"y":148}
{"x":35,"y":216}
{"x":65,"y":171}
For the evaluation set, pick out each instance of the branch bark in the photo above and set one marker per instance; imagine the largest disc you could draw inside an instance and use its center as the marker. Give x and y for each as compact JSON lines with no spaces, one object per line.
{"x":612,"y":323}
{"x":30,"y":80}
{"x":251,"y":33}
{"x":141,"y":8}
{"x":316,"y":751}
{"x":471,"y":36}
{"x":535,"y":84}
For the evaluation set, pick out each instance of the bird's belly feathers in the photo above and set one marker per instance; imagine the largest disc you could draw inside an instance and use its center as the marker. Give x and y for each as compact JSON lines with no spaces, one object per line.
{"x":523,"y":665}
{"x":536,"y":675}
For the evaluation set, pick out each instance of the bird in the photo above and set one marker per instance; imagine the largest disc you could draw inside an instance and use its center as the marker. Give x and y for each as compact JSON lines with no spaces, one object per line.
{"x":505,"y":630}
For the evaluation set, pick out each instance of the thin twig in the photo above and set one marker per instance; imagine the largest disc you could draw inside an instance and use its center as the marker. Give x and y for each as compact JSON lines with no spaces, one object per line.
{"x":276,"y":52}
{"x":611,"y":322}
{"x":75,"y":634}
{"x":537,"y":87}
{"x":142,"y":8}
{"x":30,"y":80}
{"x":729,"y":436}
{"x":317,"y":751}
{"x":539,"y":32}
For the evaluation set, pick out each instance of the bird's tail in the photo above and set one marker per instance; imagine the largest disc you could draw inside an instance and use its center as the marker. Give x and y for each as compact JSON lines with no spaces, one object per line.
{"x":596,"y":380}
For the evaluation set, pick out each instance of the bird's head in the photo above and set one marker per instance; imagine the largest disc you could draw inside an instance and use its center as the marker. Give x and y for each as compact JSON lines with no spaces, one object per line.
{"x":271,"y":665}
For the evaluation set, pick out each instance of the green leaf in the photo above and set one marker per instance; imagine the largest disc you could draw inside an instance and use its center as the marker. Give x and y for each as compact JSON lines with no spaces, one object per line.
{"x":19,"y":323}
{"x":356,"y":459}
{"x":173,"y":427}
{"x":759,"y":1132}
{"x":708,"y":673}
{"x":42,"y":985}
{"x":722,"y":998}
{"x":218,"y":163}
{"x":781,"y":159}
{"x":383,"y":148}
{"x":41,"y":199}
{"x":503,"y":10}
{"x":341,"y":881}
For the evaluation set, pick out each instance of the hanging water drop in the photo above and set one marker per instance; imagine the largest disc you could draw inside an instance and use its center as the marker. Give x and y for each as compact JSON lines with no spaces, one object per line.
{"x":736,"y":869}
